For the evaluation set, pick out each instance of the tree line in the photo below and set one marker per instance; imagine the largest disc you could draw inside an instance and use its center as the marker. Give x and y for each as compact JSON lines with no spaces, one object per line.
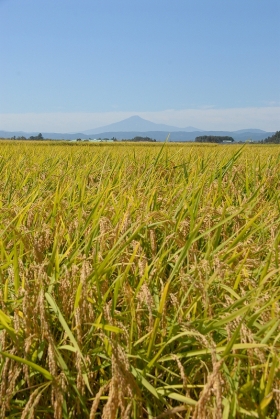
{"x":213,"y":139}
{"x":38,"y":137}
{"x":274,"y":139}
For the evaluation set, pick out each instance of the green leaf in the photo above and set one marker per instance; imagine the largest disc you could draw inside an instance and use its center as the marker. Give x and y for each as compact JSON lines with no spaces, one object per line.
{"x":246,"y":388}
{"x":16,"y":270}
{"x":157,"y":321}
{"x":108,"y":327}
{"x":227,"y":319}
{"x":140,"y":378}
{"x":36,"y":367}
{"x":178,"y":397}
{"x":78,"y":295}
{"x":68,"y":332}
{"x":67,"y":348}
{"x":4,"y":320}
{"x":218,"y":349}
{"x":63,"y":323}
{"x":265,"y":402}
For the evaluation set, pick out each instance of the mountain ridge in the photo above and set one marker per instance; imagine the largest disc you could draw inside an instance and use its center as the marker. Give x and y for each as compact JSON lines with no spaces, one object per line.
{"x":137,"y":126}
{"x":136,"y":123}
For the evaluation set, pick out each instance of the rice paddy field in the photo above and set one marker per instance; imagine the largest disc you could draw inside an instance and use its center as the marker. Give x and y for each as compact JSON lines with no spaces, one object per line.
{"x":139,"y":281}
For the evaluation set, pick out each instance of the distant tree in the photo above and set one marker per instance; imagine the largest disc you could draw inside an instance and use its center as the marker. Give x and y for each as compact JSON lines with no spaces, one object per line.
{"x":213,"y":139}
{"x":274,"y":139}
{"x":79,"y":139}
{"x":38,"y":137}
{"x":22,"y":138}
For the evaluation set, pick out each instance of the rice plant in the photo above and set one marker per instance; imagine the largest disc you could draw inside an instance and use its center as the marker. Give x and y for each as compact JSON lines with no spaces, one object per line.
{"x":139,"y":281}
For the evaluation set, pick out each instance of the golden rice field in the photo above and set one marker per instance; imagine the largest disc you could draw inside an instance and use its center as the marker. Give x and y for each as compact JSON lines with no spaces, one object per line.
{"x":139,"y":281}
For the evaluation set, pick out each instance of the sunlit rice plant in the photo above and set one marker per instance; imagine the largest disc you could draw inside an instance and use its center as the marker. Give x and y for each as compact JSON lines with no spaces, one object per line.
{"x":139,"y":281}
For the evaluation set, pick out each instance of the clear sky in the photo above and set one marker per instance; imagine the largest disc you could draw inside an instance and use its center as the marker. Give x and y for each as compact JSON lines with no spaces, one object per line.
{"x":72,"y":65}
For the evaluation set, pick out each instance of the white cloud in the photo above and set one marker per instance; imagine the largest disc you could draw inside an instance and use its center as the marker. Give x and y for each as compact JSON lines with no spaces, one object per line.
{"x":207,"y":118}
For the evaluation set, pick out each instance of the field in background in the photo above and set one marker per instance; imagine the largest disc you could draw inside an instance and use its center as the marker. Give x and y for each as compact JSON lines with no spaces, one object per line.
{"x":139,"y":281}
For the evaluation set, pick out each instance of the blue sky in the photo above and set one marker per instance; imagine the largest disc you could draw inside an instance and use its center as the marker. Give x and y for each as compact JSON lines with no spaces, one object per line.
{"x":69,"y":65}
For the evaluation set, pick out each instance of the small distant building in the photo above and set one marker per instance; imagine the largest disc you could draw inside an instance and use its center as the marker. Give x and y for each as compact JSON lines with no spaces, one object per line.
{"x":100,"y":140}
{"x":93,"y":140}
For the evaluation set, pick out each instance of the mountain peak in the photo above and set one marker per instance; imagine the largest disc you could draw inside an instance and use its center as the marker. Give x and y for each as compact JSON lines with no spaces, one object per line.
{"x":136,"y":123}
{"x":135,"y":118}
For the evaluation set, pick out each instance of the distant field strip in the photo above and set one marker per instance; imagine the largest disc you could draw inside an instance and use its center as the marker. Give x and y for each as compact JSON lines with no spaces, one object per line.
{"x":139,"y":281}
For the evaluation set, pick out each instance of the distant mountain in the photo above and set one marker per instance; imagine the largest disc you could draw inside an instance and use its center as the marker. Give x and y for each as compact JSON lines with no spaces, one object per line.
{"x":254,"y":130}
{"x":135,"y":123}
{"x":9,"y":134}
{"x":46,"y":135}
{"x":158,"y":132}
